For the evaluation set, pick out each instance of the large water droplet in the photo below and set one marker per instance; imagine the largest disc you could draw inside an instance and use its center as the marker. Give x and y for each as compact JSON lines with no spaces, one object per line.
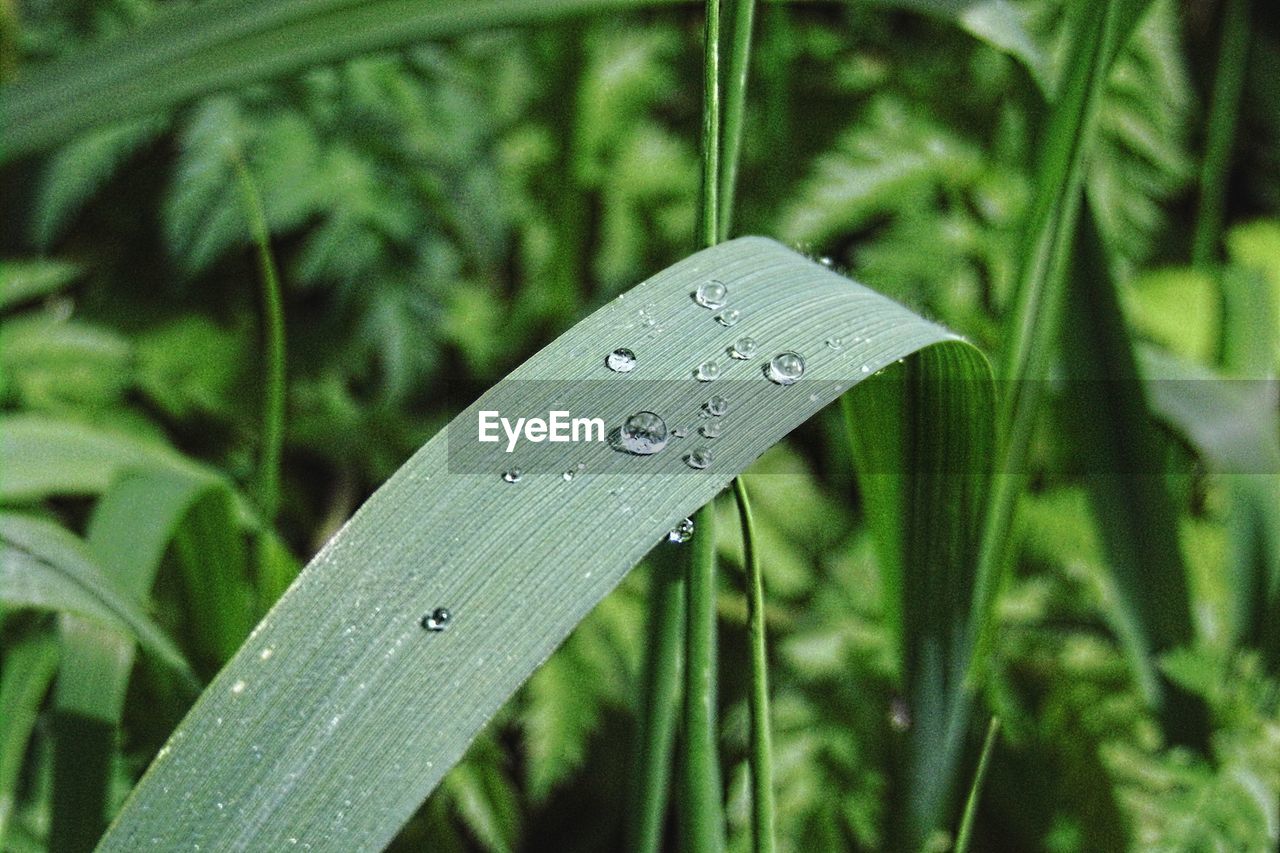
{"x":437,"y":620}
{"x":710,"y":429}
{"x":716,"y":406}
{"x":644,"y":433}
{"x":744,"y":348}
{"x":621,"y":360}
{"x":785,"y":368}
{"x":708,"y":371}
{"x":699,"y":458}
{"x":682,"y":532}
{"x":711,"y":294}
{"x":729,"y":317}
{"x":512,"y":475}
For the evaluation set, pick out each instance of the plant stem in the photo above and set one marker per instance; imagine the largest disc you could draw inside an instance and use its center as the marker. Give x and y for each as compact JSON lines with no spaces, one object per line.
{"x":273,"y":332}
{"x":735,"y":101}
{"x":1224,"y":110}
{"x":761,"y":748}
{"x":709,"y":211}
{"x":975,"y":791}
{"x":664,"y":660}
{"x":703,"y":820}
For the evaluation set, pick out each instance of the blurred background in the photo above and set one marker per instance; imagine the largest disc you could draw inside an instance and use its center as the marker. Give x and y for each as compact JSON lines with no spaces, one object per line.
{"x":440,"y":212}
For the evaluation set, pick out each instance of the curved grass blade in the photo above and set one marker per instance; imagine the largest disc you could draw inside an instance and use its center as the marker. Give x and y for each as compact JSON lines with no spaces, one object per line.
{"x":340,"y":713}
{"x":965,"y":834}
{"x":222,"y":44}
{"x":47,"y":567}
{"x":42,"y":456}
{"x":131,"y":528}
{"x":28,"y":668}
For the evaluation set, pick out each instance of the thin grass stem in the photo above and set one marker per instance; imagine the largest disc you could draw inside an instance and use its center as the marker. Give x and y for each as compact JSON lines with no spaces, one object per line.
{"x":965,"y":833}
{"x":703,"y":812}
{"x":742,"y":22}
{"x":1224,"y":112}
{"x":762,"y":812}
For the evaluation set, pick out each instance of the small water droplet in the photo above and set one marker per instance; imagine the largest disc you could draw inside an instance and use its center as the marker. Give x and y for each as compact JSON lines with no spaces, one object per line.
{"x":574,"y":471}
{"x":513,"y":475}
{"x":866,"y":369}
{"x":621,"y":360}
{"x":711,"y":294}
{"x":710,"y":430}
{"x":835,"y":343}
{"x":238,"y":688}
{"x":682,"y":532}
{"x":437,"y":620}
{"x":744,"y":348}
{"x":716,"y":406}
{"x":266,"y":653}
{"x":729,"y":317}
{"x":708,"y":371}
{"x":679,"y":432}
{"x":785,"y":368}
{"x":699,"y":458}
{"x":826,"y":261}
{"x":644,"y":433}
{"x":899,"y":715}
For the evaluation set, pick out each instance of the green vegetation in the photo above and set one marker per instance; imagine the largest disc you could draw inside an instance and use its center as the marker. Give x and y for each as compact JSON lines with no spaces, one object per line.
{"x":1016,"y":590}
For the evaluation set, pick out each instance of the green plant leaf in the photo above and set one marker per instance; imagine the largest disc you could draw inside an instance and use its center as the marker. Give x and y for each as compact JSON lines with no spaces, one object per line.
{"x":220,"y":45}
{"x":23,"y":280}
{"x":340,"y":682}
{"x":41,"y":456}
{"x":45,"y":566}
{"x":28,"y":669}
{"x":131,"y":528}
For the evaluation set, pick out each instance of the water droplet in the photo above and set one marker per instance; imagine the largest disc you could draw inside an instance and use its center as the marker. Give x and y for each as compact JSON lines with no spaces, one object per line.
{"x":710,"y":430}
{"x":866,"y":369}
{"x":716,"y":406}
{"x":644,"y":433}
{"x":679,"y":432}
{"x":621,"y":360}
{"x":266,"y":653}
{"x":826,"y":261}
{"x":512,"y":475}
{"x":708,"y":371}
{"x":682,"y":532}
{"x":835,"y":343}
{"x":699,"y":458}
{"x":744,"y":348}
{"x":574,"y":471}
{"x":785,"y":368}
{"x":238,"y":687}
{"x":899,"y":715}
{"x":729,"y":317}
{"x":437,"y":620}
{"x":711,"y":294}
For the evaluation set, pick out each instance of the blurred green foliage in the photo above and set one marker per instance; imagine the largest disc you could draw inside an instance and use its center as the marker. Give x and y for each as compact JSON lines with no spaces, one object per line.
{"x":440,"y":212}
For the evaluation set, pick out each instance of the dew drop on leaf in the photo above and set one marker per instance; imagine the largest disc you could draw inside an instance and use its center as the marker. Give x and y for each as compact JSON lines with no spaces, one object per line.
{"x":708,"y":371}
{"x":682,"y":532}
{"x":437,"y":620}
{"x":699,"y":458}
{"x":711,"y":294}
{"x":729,"y":317}
{"x":621,"y":360}
{"x":716,"y":406}
{"x":643,"y":433}
{"x":710,"y":430}
{"x":744,"y":348}
{"x":785,"y":368}
{"x":512,"y":475}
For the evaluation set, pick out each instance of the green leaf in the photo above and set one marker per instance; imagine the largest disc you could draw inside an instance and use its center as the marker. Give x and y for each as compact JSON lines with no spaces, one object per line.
{"x":131,"y":528}
{"x":41,"y":456}
{"x":340,"y":683}
{"x":224,"y":44}
{"x":45,"y":566}
{"x":23,"y":280}
{"x":28,"y":667}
